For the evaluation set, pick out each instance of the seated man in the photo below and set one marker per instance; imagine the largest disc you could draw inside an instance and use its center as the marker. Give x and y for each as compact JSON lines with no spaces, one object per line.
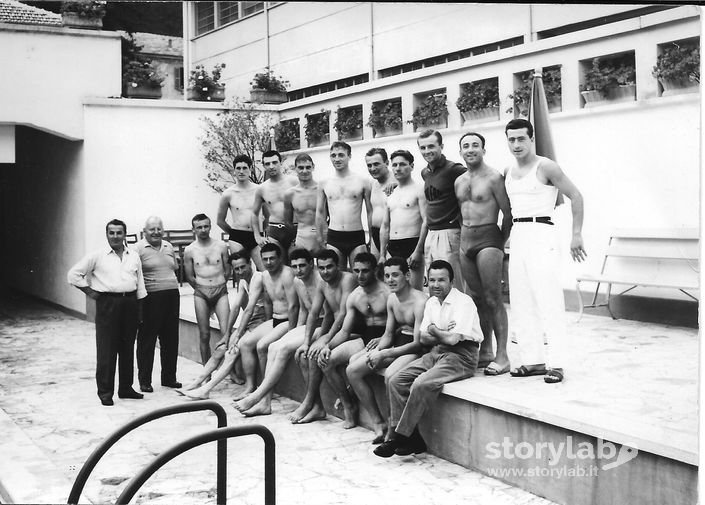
{"x":224,"y":355}
{"x":399,"y":346}
{"x":452,"y":326}
{"x":366,"y":305}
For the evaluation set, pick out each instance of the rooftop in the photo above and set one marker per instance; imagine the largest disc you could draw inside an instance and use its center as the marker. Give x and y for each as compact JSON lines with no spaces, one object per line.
{"x":12,"y":11}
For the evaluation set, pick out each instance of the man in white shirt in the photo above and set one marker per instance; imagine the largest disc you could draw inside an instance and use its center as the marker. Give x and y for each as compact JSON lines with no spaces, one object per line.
{"x":451,"y":326}
{"x":113,"y":278}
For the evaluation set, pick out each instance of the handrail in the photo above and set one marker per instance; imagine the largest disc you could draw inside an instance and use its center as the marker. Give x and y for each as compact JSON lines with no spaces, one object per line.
{"x":220,"y":435}
{"x":98,"y":453}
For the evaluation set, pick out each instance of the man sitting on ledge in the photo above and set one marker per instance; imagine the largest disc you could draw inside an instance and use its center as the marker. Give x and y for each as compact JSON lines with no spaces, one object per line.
{"x":451,"y":325}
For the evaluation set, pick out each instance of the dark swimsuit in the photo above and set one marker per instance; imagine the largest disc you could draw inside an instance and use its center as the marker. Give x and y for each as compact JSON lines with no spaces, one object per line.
{"x":282,"y":234}
{"x":211,"y":294}
{"x":245,"y":238}
{"x":374,"y":233}
{"x":276,"y":321}
{"x":346,"y":241}
{"x":403,"y":248}
{"x":481,"y":237}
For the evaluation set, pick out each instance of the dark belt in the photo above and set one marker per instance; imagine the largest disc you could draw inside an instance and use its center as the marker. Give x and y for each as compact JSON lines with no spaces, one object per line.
{"x":120,"y":295}
{"x":540,"y":219}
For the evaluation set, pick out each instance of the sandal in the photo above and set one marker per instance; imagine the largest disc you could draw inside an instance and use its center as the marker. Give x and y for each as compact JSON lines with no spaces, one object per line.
{"x":553,"y":376}
{"x":524,"y":371}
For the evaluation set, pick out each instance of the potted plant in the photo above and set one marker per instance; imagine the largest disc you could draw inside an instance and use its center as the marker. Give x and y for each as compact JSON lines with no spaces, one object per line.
{"x":86,"y":14}
{"x":479,"y":100}
{"x":286,"y":135}
{"x":268,"y":88}
{"x":205,"y":87}
{"x":678,"y":68}
{"x":317,"y":129}
{"x":348,"y":123}
{"x":142,"y":80}
{"x":432,"y":112}
{"x":385,"y":118}
{"x":521,"y":98}
{"x":622,"y":83}
{"x":613,"y":80}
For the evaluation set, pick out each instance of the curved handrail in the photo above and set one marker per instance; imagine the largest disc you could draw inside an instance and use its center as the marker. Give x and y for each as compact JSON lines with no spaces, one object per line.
{"x":98,"y":453}
{"x":220,"y":435}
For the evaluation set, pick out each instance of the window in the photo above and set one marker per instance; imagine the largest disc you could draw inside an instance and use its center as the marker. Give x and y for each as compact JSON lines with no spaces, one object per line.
{"x":251,"y":7}
{"x":205,"y":17}
{"x":207,"y":21}
{"x":326,"y":87}
{"x":228,"y":11}
{"x":179,"y":78}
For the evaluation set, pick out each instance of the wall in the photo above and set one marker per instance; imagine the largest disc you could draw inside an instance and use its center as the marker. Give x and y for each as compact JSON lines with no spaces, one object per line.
{"x":53,"y":69}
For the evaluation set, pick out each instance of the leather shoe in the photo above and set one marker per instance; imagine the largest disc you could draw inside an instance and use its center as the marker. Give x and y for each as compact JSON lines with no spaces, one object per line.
{"x":386,"y":449}
{"x":174,"y":384}
{"x":130,"y":395}
{"x":146,"y":388}
{"x":413,"y":445}
{"x":108,"y":402}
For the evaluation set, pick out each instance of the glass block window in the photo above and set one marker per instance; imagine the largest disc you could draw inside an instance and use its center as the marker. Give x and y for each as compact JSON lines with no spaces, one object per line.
{"x":228,"y":11}
{"x":205,"y":17}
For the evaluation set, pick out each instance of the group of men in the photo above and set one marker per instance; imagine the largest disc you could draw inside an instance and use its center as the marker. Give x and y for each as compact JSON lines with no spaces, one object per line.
{"x":340,"y":320}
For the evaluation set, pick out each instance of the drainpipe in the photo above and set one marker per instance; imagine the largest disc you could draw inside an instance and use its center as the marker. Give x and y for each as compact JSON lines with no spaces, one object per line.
{"x":266,"y":36}
{"x":372,"y":72}
{"x":185,"y":15}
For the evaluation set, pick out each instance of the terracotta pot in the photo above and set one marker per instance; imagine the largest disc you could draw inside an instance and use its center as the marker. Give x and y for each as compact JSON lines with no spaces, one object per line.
{"x":672,"y":87}
{"x":264,"y":96}
{"x":593,"y":98}
{"x":486,"y":114}
{"x":442,"y":123}
{"x":622,"y":93}
{"x":353,"y":135}
{"x":324,"y":140}
{"x":387,"y":132}
{"x":143,"y":92}
{"x":216,"y":95}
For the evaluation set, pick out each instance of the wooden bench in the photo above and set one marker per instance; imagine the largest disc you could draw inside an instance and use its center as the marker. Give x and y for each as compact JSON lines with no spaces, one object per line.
{"x":647,"y":258}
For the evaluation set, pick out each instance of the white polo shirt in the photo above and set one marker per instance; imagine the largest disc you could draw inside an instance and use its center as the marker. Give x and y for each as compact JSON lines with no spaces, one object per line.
{"x":457,"y":307}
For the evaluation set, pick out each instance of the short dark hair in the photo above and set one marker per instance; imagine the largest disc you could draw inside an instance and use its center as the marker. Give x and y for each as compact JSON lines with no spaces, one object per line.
{"x":442,"y":265}
{"x":240,"y":158}
{"x":404,"y":154}
{"x":328,"y":254}
{"x":518,"y":124}
{"x":270,"y":153}
{"x":199,"y":217}
{"x":365,"y":257}
{"x":427,"y":133}
{"x":300,"y":254}
{"x":302,"y":157}
{"x":339,"y":144}
{"x":239,"y":255}
{"x":397,"y":261}
{"x":116,"y":222}
{"x":270,"y":247}
{"x":473,"y":134}
{"x":378,"y":150}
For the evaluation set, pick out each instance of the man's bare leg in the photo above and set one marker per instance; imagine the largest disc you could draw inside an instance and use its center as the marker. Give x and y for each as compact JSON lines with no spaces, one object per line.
{"x":222,"y":312}
{"x":215,"y":360}
{"x":476,"y":291}
{"x":259,"y":402}
{"x":416,"y":279}
{"x":203,"y":392}
{"x":357,"y":372}
{"x":248,"y":355}
{"x":311,"y":409}
{"x":489,"y":265}
{"x":339,"y":358}
{"x":359,"y":249}
{"x":203,"y":314}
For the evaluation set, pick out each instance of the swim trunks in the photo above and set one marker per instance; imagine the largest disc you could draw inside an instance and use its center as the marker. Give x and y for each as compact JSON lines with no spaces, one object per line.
{"x":372,"y":332}
{"x":346,"y":241}
{"x":374,"y":233}
{"x":245,"y":238}
{"x":281,"y":233}
{"x":306,"y":238}
{"x":481,"y":237}
{"x":276,"y":321}
{"x":403,"y":247}
{"x":211,"y":294}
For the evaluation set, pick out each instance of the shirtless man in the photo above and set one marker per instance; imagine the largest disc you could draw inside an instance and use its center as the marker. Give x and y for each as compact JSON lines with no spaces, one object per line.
{"x":331,"y":295}
{"x":278,"y":284}
{"x":377,"y":164}
{"x":270,"y":194}
{"x":306,"y":283}
{"x":239,"y":199}
{"x":368,"y":304}
{"x":300,"y":205}
{"x":399,"y":346}
{"x":207,"y":268}
{"x":224,"y":355}
{"x":341,"y":197}
{"x":481,"y":195}
{"x":404,"y":225}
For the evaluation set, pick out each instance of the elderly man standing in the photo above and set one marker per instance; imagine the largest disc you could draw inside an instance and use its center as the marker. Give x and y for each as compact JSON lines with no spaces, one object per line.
{"x":160,"y":316}
{"x":113,"y":278}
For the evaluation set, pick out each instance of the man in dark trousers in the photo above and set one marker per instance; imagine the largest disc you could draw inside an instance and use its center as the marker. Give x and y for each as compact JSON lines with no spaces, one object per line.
{"x":112,"y":276}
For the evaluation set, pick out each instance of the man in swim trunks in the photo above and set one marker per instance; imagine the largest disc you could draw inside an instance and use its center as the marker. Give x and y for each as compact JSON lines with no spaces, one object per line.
{"x":404,"y":224}
{"x":331,"y":296}
{"x":300,"y":205}
{"x":207,"y":268}
{"x":364,"y":324}
{"x":382,"y":186}
{"x":224,"y":355}
{"x":239,"y":199}
{"x":341,"y":198}
{"x":280,"y":352}
{"x":399,"y":346}
{"x":481,"y":195}
{"x":278,"y":284}
{"x":270,"y":194}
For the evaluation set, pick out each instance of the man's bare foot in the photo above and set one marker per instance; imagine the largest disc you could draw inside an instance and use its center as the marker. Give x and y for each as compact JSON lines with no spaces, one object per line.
{"x":350,"y":414}
{"x":197,"y":394}
{"x":297,"y":415}
{"x":243,"y":394}
{"x":193,"y":385}
{"x":236,"y":378}
{"x":258,"y":410}
{"x":317,"y":413}
{"x":245,"y":403}
{"x":484,"y":360}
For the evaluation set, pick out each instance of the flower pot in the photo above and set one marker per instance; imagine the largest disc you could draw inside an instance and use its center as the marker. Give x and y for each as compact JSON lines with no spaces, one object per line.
{"x":265,"y":96}
{"x":387,"y":132}
{"x":355,"y":134}
{"x":73,"y":20}
{"x":678,"y":87}
{"x":216,"y":94}
{"x":321,"y":141}
{"x":143,"y":92}
{"x":436,"y":125}
{"x":593,"y":98}
{"x":622,"y":93}
{"x":555,"y":106}
{"x":486,"y":114}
